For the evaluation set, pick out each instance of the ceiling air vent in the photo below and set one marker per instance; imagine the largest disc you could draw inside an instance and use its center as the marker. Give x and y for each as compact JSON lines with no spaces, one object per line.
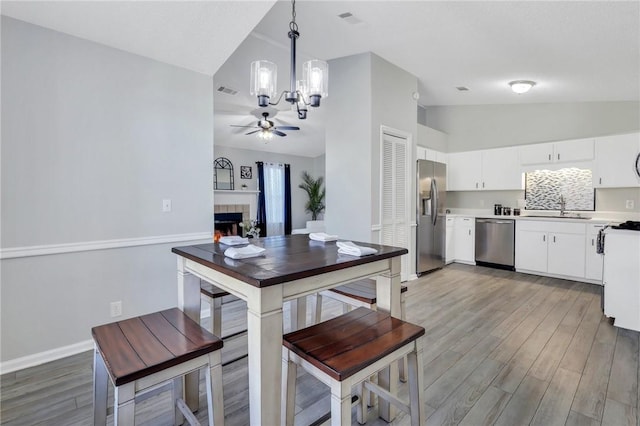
{"x":227,"y":90}
{"x":349,"y":18}
{"x":462,"y":89}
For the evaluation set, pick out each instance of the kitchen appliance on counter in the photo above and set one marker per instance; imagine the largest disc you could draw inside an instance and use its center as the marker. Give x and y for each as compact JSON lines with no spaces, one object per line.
{"x":430,"y":217}
{"x":495,"y":243}
{"x":621,"y":274}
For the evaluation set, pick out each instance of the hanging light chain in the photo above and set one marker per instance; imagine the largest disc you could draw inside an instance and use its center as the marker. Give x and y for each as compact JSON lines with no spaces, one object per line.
{"x":292,"y":25}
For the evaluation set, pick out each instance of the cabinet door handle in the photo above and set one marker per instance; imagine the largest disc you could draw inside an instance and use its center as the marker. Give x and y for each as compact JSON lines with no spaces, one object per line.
{"x":549,"y":157}
{"x":554,"y":238}
{"x":476,"y":185}
{"x":469,"y":231}
{"x":592,"y":242}
{"x":483,"y":184}
{"x":600,"y":181}
{"x":558,"y":156}
{"x":544,"y":238}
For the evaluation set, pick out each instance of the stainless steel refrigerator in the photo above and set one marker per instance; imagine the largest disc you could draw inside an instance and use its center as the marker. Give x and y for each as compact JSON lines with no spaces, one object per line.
{"x":431,"y":201}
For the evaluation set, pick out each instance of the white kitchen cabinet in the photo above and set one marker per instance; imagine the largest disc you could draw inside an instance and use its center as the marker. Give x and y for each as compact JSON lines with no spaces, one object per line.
{"x":449,"y":243}
{"x":615,"y":158}
{"x":423,"y":153}
{"x":464,"y":171}
{"x":593,"y":260}
{"x":531,"y":250}
{"x":464,"y":239}
{"x":491,"y":169}
{"x":551,"y":247}
{"x":577,"y":150}
{"x":566,"y":254}
{"x":501,"y":170}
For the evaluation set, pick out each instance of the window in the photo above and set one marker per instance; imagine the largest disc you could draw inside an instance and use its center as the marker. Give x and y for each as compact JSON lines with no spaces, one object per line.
{"x":274,"y":198}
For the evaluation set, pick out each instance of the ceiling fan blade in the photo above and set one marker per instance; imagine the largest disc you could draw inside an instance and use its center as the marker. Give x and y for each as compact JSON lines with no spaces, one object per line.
{"x":287,"y":128}
{"x":278,"y":132}
{"x":255,"y":131}
{"x":237,"y":125}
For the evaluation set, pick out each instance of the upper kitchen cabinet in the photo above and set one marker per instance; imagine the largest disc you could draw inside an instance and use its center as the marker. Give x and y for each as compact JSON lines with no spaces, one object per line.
{"x":423,"y":153}
{"x":491,"y":169}
{"x":616,"y":157}
{"x":547,"y":154}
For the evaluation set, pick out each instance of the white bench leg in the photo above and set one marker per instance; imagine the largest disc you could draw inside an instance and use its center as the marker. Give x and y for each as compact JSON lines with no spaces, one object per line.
{"x":340,"y":405}
{"x":124,"y":406}
{"x":100,"y":389}
{"x":216,"y":317}
{"x":215,"y":397}
{"x":416,"y":390}
{"x":361,"y":410}
{"x":177,"y":392}
{"x":318,"y":312}
{"x":289,"y":376}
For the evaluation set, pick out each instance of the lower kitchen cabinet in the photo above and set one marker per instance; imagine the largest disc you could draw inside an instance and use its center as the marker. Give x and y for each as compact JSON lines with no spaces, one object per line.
{"x":464,"y":236}
{"x":449,"y":248}
{"x":554,"y":248}
{"x":593,"y":260}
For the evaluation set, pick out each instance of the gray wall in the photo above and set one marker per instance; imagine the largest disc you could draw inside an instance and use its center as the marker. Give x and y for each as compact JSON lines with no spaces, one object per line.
{"x":245,"y":157}
{"x":493,"y":126}
{"x":93,"y":139}
{"x":348,"y":148}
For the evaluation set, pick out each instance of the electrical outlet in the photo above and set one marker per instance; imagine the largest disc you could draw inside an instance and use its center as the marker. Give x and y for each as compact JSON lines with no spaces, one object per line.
{"x":630,"y":204}
{"x":116,"y":309}
{"x":166,"y":205}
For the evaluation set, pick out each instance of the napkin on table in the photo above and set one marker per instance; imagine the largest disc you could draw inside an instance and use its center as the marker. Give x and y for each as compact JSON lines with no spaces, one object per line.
{"x":233,"y":240}
{"x":244,"y":252}
{"x":321,"y":236}
{"x":348,"y":247}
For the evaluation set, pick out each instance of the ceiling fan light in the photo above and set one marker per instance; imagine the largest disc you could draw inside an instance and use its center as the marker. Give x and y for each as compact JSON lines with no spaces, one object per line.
{"x":264,"y":79}
{"x":266,"y":135}
{"x":521,"y":86}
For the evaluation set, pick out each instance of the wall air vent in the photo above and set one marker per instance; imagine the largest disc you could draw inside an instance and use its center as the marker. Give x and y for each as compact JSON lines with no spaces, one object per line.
{"x":349,"y":18}
{"x":462,"y":89}
{"x":227,"y":90}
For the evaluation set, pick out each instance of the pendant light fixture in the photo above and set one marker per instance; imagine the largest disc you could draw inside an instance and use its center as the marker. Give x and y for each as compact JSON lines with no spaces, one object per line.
{"x":302,"y":93}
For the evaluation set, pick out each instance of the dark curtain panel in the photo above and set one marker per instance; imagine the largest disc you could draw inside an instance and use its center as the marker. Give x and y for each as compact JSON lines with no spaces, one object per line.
{"x":287,"y":199}
{"x":262,"y":211}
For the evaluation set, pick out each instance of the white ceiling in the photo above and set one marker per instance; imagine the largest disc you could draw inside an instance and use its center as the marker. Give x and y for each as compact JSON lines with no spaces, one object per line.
{"x":577,"y":51}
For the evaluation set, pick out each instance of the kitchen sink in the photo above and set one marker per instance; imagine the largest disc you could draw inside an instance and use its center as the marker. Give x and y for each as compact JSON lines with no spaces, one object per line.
{"x":558,"y":217}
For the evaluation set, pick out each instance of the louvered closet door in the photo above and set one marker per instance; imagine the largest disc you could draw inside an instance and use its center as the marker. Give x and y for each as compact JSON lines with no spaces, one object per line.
{"x":394,"y":197}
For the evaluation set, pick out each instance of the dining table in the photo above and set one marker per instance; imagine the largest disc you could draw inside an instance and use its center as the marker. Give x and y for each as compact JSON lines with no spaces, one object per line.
{"x":290,"y":268}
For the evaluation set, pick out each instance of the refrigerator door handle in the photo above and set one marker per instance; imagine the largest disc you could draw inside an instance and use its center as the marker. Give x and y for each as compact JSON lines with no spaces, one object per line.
{"x":434,"y":196}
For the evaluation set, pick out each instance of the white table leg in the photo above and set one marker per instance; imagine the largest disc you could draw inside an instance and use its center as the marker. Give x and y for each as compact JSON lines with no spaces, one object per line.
{"x":189,"y":303}
{"x":264,"y":334}
{"x":388,"y":300}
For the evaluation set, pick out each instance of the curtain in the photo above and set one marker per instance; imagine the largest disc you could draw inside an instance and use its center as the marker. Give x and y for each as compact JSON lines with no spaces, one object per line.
{"x":287,"y":199}
{"x":262,"y":215}
{"x":274,"y":198}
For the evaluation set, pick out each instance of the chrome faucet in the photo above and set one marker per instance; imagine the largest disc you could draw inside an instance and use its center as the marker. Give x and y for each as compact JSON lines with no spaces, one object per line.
{"x":563,"y":204}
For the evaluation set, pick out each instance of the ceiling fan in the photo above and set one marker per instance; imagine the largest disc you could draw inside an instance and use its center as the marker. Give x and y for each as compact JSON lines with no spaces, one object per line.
{"x":267,"y":128}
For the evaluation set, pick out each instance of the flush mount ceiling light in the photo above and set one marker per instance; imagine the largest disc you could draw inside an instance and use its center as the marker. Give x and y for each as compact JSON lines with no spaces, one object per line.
{"x":522,"y":86}
{"x":308,"y":91}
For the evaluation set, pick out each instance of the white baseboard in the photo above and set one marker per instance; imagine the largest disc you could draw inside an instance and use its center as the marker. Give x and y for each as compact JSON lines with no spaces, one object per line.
{"x":44,"y":357}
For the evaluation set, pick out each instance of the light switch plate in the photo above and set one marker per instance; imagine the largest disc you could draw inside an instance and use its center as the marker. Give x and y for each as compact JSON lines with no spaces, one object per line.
{"x":630,"y":204}
{"x":166,"y":205}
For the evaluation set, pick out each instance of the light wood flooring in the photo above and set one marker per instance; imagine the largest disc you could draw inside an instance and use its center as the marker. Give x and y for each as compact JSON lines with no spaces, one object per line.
{"x":501,"y":348}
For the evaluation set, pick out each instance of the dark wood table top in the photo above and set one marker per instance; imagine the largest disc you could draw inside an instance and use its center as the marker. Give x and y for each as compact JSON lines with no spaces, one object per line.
{"x":287,"y":258}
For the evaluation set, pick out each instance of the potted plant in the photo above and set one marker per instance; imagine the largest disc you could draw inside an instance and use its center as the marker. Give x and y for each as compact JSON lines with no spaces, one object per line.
{"x":316,"y":192}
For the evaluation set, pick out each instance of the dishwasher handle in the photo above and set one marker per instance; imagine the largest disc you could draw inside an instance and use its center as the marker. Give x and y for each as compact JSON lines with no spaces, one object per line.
{"x":496,"y":221}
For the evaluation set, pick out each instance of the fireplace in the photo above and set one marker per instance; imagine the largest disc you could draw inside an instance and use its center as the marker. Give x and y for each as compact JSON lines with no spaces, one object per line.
{"x":227,"y":223}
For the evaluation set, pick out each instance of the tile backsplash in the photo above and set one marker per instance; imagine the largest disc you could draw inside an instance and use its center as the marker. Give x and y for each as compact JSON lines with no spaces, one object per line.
{"x":543,"y":189}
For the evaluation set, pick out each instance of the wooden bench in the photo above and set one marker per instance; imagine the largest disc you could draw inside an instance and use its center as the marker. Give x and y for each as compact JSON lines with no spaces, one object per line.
{"x":360,"y":293}
{"x":346,"y":351}
{"x":142,"y":353}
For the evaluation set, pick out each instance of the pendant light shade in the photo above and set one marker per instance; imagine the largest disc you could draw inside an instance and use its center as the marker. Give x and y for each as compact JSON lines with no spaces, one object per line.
{"x":264,"y":80}
{"x":315,"y":74}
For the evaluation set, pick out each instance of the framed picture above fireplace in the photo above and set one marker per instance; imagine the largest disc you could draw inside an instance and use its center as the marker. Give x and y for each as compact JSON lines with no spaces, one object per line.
{"x":245,"y":172}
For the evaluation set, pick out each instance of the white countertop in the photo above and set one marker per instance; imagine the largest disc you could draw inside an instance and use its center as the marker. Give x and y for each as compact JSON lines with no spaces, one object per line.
{"x":588,"y":217}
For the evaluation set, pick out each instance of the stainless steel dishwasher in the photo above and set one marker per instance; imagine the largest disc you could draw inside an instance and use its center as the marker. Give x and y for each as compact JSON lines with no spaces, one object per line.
{"x":495,"y":243}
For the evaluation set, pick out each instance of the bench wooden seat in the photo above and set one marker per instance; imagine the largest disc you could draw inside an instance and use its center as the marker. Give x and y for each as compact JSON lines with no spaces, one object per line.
{"x":347,"y":350}
{"x":140,"y":353}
